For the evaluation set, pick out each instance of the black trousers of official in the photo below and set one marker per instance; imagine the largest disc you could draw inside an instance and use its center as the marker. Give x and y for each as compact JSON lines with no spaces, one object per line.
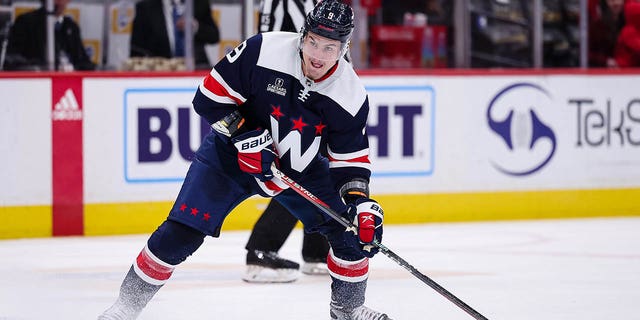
{"x":274,"y":227}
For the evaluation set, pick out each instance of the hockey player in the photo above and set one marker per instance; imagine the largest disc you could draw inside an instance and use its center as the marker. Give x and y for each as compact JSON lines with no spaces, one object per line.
{"x":276,"y":223}
{"x":278,"y":98}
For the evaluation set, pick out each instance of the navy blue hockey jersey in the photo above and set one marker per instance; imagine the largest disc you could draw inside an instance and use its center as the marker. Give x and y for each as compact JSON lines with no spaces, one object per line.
{"x":263,"y":79}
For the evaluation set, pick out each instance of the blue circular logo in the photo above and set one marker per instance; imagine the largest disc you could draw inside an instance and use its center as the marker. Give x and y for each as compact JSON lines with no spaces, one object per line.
{"x":514,"y":115}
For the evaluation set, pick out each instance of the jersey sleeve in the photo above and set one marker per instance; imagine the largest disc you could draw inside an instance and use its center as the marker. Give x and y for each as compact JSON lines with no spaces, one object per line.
{"x":348,"y":146}
{"x":228,"y":85}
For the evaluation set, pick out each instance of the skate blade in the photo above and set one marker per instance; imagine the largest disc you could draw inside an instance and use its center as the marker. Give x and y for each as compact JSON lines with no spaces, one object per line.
{"x":258,"y":274}
{"x":314,"y":269}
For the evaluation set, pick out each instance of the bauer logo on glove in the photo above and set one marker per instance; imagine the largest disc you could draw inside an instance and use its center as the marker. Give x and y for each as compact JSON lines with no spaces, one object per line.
{"x":255,"y":153}
{"x":255,"y":144}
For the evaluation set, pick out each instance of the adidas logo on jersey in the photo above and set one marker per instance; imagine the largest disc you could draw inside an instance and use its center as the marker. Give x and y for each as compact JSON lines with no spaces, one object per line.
{"x":67,"y":107}
{"x":277,"y":87}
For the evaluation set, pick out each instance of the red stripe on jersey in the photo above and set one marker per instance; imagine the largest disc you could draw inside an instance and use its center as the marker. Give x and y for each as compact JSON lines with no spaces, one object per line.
{"x":216,"y":88}
{"x":363,"y":159}
{"x":152,"y":268}
{"x":348,"y":270}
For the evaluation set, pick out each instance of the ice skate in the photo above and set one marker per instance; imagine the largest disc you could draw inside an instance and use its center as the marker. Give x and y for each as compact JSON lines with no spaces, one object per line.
{"x":268,"y":267}
{"x":359,"y":313}
{"x":315,"y":268}
{"x":120,"y":311}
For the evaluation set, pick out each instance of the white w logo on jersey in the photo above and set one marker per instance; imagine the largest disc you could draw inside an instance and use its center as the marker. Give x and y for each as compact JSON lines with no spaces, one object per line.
{"x":293,"y":142}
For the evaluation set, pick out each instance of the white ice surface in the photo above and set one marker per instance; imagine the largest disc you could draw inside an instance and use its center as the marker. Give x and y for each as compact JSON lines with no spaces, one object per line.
{"x":550,"y":269}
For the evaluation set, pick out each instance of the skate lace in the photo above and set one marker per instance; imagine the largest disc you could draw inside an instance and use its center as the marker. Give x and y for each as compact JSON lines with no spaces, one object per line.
{"x":364,"y":313}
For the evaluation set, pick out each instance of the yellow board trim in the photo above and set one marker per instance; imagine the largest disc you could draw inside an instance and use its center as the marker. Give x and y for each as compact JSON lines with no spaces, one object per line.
{"x":26,"y":222}
{"x":145,"y":217}
{"x":404,"y":209}
{"x":130,"y":218}
{"x":423,"y":208}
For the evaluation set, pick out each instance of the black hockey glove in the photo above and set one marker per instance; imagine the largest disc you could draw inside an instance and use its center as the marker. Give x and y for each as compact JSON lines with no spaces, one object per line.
{"x":230,"y":126}
{"x":255,"y":153}
{"x":367,"y":216}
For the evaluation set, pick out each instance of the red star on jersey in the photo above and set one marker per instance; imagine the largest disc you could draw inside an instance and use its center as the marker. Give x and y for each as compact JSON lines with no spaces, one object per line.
{"x":319,"y":128}
{"x":183,"y":207}
{"x":206,"y":216}
{"x":276,"y":112}
{"x":298,"y":124}
{"x":194,"y":211}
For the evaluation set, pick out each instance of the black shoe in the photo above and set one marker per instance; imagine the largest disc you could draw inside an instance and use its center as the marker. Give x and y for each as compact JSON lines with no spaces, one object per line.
{"x":269,"y":259}
{"x":268,"y":267}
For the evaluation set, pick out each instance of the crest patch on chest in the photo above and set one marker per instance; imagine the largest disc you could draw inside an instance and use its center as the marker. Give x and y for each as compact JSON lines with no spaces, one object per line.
{"x":277,"y":87}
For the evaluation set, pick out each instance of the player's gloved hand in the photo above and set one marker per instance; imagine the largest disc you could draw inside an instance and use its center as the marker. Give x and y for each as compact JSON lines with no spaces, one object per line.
{"x":229,"y":126}
{"x":367,"y":216}
{"x":255,"y":153}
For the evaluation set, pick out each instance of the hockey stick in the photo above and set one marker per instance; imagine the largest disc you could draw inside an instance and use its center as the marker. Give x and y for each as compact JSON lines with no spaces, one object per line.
{"x":403,"y":263}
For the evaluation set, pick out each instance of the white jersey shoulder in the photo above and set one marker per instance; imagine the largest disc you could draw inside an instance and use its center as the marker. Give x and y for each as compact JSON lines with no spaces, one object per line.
{"x":279,"y":51}
{"x":345,"y":88}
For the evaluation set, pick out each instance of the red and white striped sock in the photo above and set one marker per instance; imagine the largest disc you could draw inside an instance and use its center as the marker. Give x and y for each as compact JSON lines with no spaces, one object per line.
{"x":151,"y":269}
{"x":349,"y":271}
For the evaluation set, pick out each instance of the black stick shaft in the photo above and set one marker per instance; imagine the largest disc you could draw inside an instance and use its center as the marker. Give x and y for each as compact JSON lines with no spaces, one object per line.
{"x":386,"y":251}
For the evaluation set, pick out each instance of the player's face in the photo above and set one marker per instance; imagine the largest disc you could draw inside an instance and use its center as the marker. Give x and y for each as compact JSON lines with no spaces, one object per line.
{"x":319,"y":54}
